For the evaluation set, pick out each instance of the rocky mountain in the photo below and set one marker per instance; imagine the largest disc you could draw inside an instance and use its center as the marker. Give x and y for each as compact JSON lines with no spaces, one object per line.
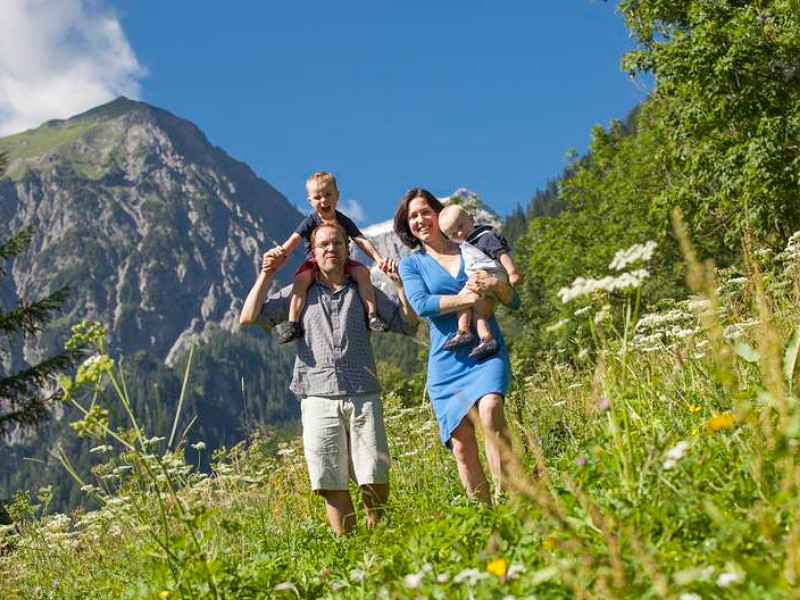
{"x":156,"y":230}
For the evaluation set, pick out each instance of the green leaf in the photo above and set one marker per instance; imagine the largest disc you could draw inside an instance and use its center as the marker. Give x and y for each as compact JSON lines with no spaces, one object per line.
{"x":790,"y":355}
{"x":747,"y":352}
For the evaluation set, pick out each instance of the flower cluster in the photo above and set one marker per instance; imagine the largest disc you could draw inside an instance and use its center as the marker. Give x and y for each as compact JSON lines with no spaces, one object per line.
{"x":632,"y":255}
{"x":583,"y":286}
{"x":674,"y":454}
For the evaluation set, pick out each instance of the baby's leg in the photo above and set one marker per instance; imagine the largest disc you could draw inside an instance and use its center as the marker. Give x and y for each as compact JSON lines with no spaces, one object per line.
{"x":297,"y":302}
{"x":360,"y":275}
{"x":463,"y":336}
{"x":484,"y":309}
{"x":488,"y":346}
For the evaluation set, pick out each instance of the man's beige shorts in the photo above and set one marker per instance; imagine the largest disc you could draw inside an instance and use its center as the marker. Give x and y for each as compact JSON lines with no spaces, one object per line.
{"x":344,"y":437}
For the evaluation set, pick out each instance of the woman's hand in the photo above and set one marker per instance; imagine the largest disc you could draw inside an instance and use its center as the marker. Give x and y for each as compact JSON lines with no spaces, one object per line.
{"x":390,"y":268}
{"x":482,"y":283}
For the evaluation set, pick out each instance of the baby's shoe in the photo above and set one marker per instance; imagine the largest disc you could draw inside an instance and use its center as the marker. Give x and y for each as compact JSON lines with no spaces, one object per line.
{"x":289,"y":332}
{"x":484,"y":350}
{"x":377,"y":324}
{"x":459,"y":338}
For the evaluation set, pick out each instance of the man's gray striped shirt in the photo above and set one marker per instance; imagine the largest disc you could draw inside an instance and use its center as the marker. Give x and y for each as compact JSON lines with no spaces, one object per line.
{"x":334,"y":357}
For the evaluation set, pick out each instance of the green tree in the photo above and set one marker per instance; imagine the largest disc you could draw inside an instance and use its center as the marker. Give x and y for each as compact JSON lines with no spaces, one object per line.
{"x":728,"y":89}
{"x":24,"y":395}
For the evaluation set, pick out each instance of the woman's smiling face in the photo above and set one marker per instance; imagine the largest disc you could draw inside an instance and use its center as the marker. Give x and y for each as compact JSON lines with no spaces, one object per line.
{"x":423,"y":221}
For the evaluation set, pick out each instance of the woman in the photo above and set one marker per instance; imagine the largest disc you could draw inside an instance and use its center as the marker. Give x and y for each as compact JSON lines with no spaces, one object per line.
{"x":433,"y":277}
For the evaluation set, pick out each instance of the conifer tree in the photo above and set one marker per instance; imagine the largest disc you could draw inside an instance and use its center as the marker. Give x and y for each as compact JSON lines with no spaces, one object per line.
{"x":23,"y":396}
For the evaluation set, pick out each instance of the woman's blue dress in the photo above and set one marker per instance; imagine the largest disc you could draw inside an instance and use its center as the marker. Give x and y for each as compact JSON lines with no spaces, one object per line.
{"x":455,"y":381}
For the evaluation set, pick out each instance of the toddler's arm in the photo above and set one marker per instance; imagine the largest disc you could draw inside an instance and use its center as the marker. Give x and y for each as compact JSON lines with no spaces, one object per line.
{"x":514,"y":278}
{"x":287,"y":247}
{"x":369,"y":249}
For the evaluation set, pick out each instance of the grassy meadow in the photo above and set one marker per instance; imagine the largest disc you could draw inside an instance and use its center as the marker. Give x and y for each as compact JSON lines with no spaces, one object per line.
{"x":655,"y":456}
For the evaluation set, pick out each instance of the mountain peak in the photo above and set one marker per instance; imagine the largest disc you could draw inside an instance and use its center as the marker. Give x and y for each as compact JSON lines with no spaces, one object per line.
{"x":112,"y":110}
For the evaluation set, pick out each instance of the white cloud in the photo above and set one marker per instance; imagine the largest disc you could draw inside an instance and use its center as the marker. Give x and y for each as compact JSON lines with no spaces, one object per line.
{"x":59,"y":58}
{"x":352,"y":209}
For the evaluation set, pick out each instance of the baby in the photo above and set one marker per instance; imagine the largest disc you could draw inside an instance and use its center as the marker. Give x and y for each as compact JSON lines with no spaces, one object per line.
{"x":481,"y":249}
{"x":323,"y":194}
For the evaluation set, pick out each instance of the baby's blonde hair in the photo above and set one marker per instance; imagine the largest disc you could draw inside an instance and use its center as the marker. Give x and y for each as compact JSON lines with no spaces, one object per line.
{"x":449,"y":215}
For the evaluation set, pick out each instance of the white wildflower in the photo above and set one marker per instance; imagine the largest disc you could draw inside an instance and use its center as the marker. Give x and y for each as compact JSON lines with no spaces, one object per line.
{"x":674,"y":454}
{"x":443,"y":578}
{"x":602,"y":314}
{"x":654,"y":320}
{"x":357,"y":575}
{"x":727,"y":578}
{"x":414,"y":580}
{"x":636,"y":253}
{"x":154,"y":440}
{"x":556,"y":326}
{"x":471,"y":576}
{"x":587,"y":287}
{"x":515,"y":570}
{"x":582,"y":311}
{"x":285,"y":452}
{"x":92,"y":360}
{"x":690,"y":596}
{"x":285,"y":586}
{"x":58,"y":522}
{"x":199,"y":446}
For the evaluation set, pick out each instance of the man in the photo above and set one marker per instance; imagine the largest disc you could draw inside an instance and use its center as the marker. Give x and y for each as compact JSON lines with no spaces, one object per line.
{"x":334,"y":375}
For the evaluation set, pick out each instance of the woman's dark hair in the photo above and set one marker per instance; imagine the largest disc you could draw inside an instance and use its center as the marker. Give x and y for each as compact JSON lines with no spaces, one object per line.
{"x":401,"y":227}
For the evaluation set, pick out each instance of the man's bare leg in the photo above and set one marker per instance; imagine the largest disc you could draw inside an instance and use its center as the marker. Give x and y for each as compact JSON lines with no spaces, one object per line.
{"x":340,"y":510}
{"x":375,"y":496}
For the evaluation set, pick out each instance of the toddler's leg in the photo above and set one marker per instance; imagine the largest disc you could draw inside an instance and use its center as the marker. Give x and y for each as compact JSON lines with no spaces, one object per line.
{"x":484,"y":309}
{"x":297,"y":302}
{"x":360,"y":275}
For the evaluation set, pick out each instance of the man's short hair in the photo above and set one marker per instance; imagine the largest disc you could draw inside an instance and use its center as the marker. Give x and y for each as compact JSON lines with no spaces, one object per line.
{"x":336,"y":226}
{"x":323,"y":178}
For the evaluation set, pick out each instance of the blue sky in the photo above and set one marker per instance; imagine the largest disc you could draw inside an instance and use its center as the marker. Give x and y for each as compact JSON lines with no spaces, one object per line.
{"x":386,"y":95}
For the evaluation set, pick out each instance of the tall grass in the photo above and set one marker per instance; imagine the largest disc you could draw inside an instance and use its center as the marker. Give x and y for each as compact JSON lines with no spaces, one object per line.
{"x":658,"y":461}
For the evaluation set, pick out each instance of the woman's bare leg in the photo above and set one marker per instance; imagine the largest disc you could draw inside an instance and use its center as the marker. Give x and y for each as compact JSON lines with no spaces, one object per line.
{"x":498,"y":437}
{"x":465,"y":451}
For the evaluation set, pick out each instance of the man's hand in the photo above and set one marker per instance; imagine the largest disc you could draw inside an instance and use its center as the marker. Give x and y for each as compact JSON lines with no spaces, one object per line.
{"x":276,"y":252}
{"x":272,"y":261}
{"x":515,"y":279}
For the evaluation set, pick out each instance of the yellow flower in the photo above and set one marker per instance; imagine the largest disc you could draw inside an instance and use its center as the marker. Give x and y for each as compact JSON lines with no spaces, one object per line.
{"x":497,"y":567}
{"x":693,"y":408}
{"x":721,"y":421}
{"x":163,"y":594}
{"x":695,"y":431}
{"x":550,"y":544}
